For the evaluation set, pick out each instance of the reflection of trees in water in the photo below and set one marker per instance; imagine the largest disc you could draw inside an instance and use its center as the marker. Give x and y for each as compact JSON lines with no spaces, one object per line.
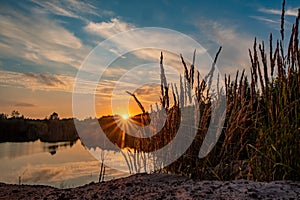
{"x":53,"y":148}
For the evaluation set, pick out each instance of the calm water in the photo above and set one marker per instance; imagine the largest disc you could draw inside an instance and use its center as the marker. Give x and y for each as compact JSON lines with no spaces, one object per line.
{"x":61,"y":164}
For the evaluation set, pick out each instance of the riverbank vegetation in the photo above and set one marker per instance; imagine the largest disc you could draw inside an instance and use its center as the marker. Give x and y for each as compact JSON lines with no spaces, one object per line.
{"x":260,"y":139}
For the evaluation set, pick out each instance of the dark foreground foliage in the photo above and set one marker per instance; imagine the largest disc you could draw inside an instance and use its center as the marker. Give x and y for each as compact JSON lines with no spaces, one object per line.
{"x":260,"y":139}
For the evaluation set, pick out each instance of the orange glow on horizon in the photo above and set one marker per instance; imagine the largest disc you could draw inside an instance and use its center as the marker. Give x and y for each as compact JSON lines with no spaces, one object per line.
{"x":125,"y":116}
{"x":124,"y":104}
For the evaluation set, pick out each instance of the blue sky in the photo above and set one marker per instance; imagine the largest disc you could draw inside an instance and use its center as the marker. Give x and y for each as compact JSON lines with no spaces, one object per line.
{"x":43,"y":43}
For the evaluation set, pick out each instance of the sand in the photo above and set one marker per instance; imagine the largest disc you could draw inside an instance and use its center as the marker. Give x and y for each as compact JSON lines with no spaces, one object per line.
{"x":158,"y":186}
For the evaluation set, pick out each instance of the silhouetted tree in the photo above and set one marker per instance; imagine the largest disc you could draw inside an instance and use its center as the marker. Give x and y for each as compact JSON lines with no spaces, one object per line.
{"x":54,"y":116}
{"x":15,"y":114}
{"x":3,"y":116}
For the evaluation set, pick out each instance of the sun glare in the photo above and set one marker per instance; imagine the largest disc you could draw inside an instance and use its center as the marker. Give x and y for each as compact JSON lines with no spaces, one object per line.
{"x":125,"y":116}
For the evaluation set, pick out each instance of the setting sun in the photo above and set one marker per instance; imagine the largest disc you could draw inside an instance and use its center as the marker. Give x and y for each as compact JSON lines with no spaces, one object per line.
{"x":125,"y":116}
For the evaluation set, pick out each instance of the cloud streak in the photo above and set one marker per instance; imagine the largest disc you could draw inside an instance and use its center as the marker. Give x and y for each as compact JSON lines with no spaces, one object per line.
{"x":108,"y":29}
{"x":288,"y":12}
{"x":34,"y":37}
{"x":265,"y":19}
{"x":36,"y":81}
{"x":72,"y":8}
{"x":164,"y":38}
{"x":235,"y":44}
{"x":27,"y":105}
{"x":139,"y":55}
{"x":46,"y":79}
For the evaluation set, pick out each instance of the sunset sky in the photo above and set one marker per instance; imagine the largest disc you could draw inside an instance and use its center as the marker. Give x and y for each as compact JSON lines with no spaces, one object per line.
{"x":44,"y":43}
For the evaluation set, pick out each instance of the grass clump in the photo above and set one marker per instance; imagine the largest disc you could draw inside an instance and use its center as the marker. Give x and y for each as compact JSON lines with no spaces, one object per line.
{"x":260,"y":139}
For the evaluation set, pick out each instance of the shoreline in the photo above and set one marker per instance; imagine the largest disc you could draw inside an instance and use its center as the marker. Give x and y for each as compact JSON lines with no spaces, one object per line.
{"x":158,"y":186}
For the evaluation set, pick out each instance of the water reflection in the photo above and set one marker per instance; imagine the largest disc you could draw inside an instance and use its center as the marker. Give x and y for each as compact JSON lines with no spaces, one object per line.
{"x":54,"y":147}
{"x":16,"y":149}
{"x":63,"y":164}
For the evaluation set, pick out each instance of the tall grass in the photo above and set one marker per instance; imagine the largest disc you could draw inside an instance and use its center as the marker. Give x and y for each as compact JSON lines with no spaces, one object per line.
{"x":260,"y":139}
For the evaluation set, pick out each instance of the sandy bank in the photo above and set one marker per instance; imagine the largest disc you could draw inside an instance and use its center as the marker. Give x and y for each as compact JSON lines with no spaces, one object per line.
{"x":158,"y":186}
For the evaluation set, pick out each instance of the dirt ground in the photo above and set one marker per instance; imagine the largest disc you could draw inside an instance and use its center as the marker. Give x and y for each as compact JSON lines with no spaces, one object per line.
{"x":158,"y":186}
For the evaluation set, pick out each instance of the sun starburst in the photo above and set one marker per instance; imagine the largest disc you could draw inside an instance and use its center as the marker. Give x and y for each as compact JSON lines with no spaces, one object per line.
{"x":125,"y":116}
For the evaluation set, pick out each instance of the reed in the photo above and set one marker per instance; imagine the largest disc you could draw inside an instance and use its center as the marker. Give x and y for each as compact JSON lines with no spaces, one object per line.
{"x":260,"y":139}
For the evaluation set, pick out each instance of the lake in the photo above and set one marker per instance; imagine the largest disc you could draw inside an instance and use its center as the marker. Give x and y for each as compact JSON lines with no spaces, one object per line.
{"x":62,"y":164}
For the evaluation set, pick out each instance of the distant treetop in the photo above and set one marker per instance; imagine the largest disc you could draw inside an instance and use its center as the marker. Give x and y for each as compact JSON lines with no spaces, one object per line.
{"x":54,"y":116}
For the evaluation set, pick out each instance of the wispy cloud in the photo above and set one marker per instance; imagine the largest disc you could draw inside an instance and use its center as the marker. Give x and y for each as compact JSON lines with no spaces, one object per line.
{"x":22,"y":104}
{"x":288,"y":12}
{"x":34,"y":37}
{"x":46,"y":79}
{"x":270,"y":22}
{"x":235,"y":44}
{"x":143,"y":62}
{"x":108,"y":29}
{"x":36,"y":81}
{"x":139,"y":40}
{"x":265,"y":19}
{"x":271,"y":18}
{"x":149,"y":94}
{"x":72,"y":8}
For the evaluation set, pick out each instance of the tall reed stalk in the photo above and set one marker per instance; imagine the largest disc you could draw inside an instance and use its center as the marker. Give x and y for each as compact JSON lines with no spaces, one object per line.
{"x":260,"y":139}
